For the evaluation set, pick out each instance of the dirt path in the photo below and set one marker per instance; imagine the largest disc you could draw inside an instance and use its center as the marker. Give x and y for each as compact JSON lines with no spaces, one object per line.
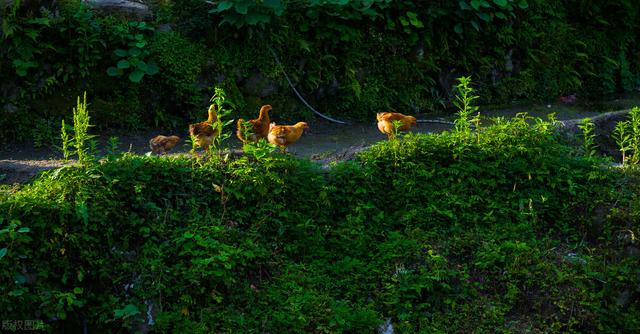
{"x":324,"y":142}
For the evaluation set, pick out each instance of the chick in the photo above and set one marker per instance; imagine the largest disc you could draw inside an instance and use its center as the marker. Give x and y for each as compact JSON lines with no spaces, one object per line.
{"x":285,"y":135}
{"x":386,"y":120}
{"x":162,"y":144}
{"x":259,"y":126}
{"x":204,"y":132}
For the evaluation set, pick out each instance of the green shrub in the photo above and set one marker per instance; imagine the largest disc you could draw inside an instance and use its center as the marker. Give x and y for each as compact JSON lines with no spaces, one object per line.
{"x":439,"y":233}
{"x":181,"y":62}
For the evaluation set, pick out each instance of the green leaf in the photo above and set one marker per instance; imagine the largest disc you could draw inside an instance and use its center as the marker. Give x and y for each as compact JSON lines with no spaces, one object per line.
{"x":134,"y":52}
{"x":474,"y":23}
{"x":224,"y":5}
{"x":142,"y":66}
{"x":136,"y":76}
{"x":369,"y":12}
{"x":464,"y":6}
{"x":501,"y":3}
{"x":123,"y":64}
{"x":523,"y":4}
{"x":3,"y":252}
{"x":16,"y":293}
{"x":458,"y":28}
{"x":141,"y":44}
{"x":413,"y":18}
{"x":24,"y":230}
{"x":242,"y":8}
{"x":41,"y":20}
{"x":113,"y":72}
{"x":500,"y":15}
{"x":152,"y":68}
{"x":120,"y":52}
{"x":255,"y":18}
{"x":304,"y":45}
{"x":126,"y":312}
{"x":276,"y":5}
{"x":475,"y":4}
{"x":484,"y":16}
{"x":20,"y":279}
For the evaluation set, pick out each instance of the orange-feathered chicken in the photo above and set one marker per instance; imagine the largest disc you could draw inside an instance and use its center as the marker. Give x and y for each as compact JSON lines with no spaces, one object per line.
{"x":163,"y":144}
{"x":259,"y":127}
{"x":203,"y":132}
{"x":385,"y":122}
{"x":285,"y":135}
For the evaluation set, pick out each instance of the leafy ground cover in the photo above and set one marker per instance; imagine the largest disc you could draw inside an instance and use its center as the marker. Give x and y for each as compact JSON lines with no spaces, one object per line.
{"x":505,"y":229}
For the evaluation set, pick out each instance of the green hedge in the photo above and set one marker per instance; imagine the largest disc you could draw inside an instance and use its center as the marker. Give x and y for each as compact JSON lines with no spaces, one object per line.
{"x":509,"y":231}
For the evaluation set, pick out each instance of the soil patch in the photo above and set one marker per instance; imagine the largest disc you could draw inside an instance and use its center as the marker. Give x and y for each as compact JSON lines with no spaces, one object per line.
{"x":324,"y":142}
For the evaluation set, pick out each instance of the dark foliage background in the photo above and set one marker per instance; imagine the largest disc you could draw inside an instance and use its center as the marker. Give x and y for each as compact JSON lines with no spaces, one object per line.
{"x":349,"y":58}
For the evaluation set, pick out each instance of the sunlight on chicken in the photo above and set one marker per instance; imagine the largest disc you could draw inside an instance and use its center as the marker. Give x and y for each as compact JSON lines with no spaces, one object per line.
{"x":204,"y":132}
{"x":256,"y":129}
{"x":285,"y":135}
{"x":386,"y":120}
{"x":162,"y":144}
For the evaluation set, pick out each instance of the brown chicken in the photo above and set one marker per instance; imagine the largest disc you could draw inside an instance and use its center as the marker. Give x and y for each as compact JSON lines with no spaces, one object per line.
{"x":259,"y":127}
{"x":385,"y":122}
{"x":203,"y":132}
{"x":285,"y":135}
{"x":163,"y":144}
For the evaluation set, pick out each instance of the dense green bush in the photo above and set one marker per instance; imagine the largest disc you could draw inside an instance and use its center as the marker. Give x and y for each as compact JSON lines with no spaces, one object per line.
{"x":504,"y":229}
{"x":181,"y":62}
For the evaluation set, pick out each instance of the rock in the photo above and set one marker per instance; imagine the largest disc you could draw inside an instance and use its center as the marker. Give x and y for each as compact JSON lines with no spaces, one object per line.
{"x":386,"y":328}
{"x":508,"y":61}
{"x":623,"y":298}
{"x":633,"y":251}
{"x":165,"y":27}
{"x":607,"y":120}
{"x":10,"y":108}
{"x":575,"y":259}
{"x":605,"y":124}
{"x":131,"y":8}
{"x":145,"y":321}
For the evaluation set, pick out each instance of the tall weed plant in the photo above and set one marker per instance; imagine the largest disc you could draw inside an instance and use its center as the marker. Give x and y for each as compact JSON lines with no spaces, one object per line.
{"x":626,"y":134}
{"x":225,"y":108}
{"x":464,"y":102}
{"x":634,"y":125}
{"x":622,"y":137}
{"x":588,"y":135}
{"x":82,"y":142}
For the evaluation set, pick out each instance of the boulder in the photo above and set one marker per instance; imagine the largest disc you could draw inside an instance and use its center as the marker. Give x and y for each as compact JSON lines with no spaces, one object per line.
{"x":129,"y":8}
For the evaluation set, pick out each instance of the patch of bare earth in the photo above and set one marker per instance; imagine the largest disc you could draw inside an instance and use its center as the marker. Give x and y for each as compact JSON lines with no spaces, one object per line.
{"x":324,"y":143}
